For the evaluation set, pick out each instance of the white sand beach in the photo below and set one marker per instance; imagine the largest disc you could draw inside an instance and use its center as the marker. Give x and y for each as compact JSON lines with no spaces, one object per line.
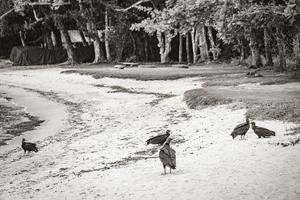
{"x":92,"y":143}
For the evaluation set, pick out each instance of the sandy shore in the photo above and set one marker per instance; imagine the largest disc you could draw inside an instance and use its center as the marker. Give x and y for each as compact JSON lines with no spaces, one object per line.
{"x":14,"y":120}
{"x":98,"y":151}
{"x":51,"y":113}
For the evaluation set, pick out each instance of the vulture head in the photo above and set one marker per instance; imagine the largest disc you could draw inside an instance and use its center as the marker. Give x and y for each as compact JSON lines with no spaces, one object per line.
{"x":168,"y":132}
{"x":247,"y":119}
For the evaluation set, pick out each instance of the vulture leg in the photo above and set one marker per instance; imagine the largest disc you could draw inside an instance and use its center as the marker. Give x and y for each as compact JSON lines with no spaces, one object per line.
{"x":170,"y":171}
{"x":164,"y":168}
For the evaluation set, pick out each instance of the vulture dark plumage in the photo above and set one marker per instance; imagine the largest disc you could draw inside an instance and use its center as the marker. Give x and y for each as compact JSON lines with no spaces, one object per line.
{"x":241,"y":129}
{"x":160,"y":139}
{"x":261,"y":132}
{"x":167,"y":156}
{"x":27,"y":146}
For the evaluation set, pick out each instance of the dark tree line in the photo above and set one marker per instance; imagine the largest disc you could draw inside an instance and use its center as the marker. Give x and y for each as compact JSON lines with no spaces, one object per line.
{"x":262,"y":33}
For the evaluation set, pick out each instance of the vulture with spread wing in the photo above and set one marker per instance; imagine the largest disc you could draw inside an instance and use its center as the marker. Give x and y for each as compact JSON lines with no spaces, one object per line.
{"x":160,"y":139}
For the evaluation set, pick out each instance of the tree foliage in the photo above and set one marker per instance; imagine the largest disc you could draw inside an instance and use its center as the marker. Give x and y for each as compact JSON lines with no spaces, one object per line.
{"x":247,"y":27}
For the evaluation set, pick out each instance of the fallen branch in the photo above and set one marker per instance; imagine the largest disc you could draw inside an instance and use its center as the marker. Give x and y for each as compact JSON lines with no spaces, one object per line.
{"x":35,"y":15}
{"x":8,"y":12}
{"x":34,"y":23}
{"x":133,"y":5}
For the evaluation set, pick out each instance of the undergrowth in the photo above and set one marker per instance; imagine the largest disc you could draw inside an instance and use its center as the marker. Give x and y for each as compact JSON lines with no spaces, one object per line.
{"x":262,"y":110}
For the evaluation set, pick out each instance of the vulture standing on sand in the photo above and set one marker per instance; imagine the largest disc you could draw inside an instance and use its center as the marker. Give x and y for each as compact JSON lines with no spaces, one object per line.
{"x":261,"y":132}
{"x":160,"y":139}
{"x":27,"y":146}
{"x":167,"y":156}
{"x":241,"y":129}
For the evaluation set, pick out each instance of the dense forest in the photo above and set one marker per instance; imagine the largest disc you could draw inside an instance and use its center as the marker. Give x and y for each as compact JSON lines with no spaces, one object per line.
{"x":252,"y":32}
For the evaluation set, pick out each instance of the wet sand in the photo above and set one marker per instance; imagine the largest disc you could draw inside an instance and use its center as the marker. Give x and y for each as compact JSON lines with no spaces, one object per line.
{"x":42,"y":117}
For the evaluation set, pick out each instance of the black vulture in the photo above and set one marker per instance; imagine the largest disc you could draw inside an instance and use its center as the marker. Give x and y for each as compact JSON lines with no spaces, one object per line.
{"x":261,"y":132}
{"x":160,"y":139}
{"x":27,"y":146}
{"x":167,"y":156}
{"x":241,"y":129}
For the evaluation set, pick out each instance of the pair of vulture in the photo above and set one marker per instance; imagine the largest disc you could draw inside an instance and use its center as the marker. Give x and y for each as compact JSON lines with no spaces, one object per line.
{"x":242,"y":129}
{"x":167,"y":155}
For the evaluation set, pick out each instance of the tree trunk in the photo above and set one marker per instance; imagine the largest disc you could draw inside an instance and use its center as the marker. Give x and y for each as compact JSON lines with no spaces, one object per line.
{"x":187,"y":46}
{"x":57,"y":37}
{"x":82,"y":38}
{"x":107,"y":36}
{"x":139,"y":44}
{"x":195,"y":42}
{"x":53,"y":38}
{"x":268,"y":50}
{"x":213,"y":48}
{"x":22,"y":38}
{"x":281,"y":50}
{"x":222,"y":15}
{"x":203,"y":44}
{"x":164,"y":44}
{"x":242,"y":50}
{"x":180,"y":49}
{"x":152,"y":54}
{"x":70,"y":50}
{"x":133,"y":42}
{"x":49,"y":40}
{"x":167,"y":46}
{"x":146,"y":47}
{"x":80,"y":5}
{"x":296,"y":49}
{"x":84,"y":42}
{"x":89,"y":30}
{"x":161,"y":46}
{"x":98,"y":50}
{"x":256,"y":59}
{"x":120,"y":48}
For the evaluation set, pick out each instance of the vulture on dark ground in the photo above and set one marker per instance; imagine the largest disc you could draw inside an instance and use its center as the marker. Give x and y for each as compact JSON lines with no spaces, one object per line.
{"x":160,"y":139}
{"x":27,"y":146}
{"x":167,"y":156}
{"x":261,"y":132}
{"x":241,"y":129}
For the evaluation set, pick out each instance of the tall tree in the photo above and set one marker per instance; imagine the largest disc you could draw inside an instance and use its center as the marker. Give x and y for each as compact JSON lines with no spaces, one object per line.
{"x":60,"y":23}
{"x":107,"y":30}
{"x":87,"y":19}
{"x":161,"y":24}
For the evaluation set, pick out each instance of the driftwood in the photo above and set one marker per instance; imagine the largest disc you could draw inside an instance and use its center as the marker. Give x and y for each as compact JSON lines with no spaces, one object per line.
{"x":130,"y":64}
